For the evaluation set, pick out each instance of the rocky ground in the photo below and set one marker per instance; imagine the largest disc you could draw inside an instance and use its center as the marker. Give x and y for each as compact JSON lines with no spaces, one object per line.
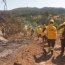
{"x":28,"y":52}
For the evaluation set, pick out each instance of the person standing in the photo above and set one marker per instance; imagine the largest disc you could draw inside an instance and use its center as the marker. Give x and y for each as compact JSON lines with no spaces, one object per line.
{"x":40,"y":38}
{"x":62,"y":38}
{"x":44,"y":36}
{"x":52,"y":35}
{"x":39,"y":31}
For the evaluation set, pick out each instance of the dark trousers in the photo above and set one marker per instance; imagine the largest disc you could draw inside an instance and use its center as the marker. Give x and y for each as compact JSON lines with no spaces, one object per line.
{"x":39,"y":35}
{"x":45,"y":38}
{"x":62,"y":45}
{"x":51,"y":43}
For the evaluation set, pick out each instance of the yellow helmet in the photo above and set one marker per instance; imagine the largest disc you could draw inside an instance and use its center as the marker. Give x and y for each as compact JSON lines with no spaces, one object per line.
{"x":38,"y":26}
{"x":63,"y":23}
{"x":51,"y":21}
{"x":44,"y":25}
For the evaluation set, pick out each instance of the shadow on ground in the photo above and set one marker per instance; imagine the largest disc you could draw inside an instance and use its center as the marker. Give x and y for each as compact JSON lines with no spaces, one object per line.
{"x":59,"y":60}
{"x":44,"y":57}
{"x":58,"y":49}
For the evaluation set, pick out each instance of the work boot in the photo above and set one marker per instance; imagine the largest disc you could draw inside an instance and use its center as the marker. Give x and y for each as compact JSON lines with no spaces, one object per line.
{"x":44,"y":51}
{"x":51,"y":52}
{"x":61,"y":54}
{"x":15,"y":63}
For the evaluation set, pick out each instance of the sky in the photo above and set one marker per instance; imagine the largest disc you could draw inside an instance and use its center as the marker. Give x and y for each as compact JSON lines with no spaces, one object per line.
{"x":12,"y":4}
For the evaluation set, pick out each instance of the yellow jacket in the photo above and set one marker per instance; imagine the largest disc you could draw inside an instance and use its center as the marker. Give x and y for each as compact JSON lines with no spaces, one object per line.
{"x":51,"y":32}
{"x":44,"y":32}
{"x":61,"y":30}
{"x":39,"y":30}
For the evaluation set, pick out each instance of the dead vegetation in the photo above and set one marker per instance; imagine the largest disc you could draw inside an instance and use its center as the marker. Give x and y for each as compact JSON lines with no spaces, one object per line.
{"x":21,"y":50}
{"x":9,"y":25}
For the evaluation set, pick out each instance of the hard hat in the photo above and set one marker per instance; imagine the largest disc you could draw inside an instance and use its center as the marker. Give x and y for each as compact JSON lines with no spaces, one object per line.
{"x":63,"y":23}
{"x":38,"y":26}
{"x":51,"y":21}
{"x":44,"y":25}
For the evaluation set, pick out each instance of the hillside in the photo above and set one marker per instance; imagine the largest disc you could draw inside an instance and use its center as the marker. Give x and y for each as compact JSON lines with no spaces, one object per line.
{"x":36,"y":11}
{"x":18,"y":46}
{"x":15,"y":16}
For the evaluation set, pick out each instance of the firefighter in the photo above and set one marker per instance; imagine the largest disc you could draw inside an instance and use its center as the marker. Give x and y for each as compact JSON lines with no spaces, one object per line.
{"x":62,"y":38}
{"x":32,"y":31}
{"x":52,"y":35}
{"x":44,"y":36}
{"x":40,"y":39}
{"x":39,"y":31}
